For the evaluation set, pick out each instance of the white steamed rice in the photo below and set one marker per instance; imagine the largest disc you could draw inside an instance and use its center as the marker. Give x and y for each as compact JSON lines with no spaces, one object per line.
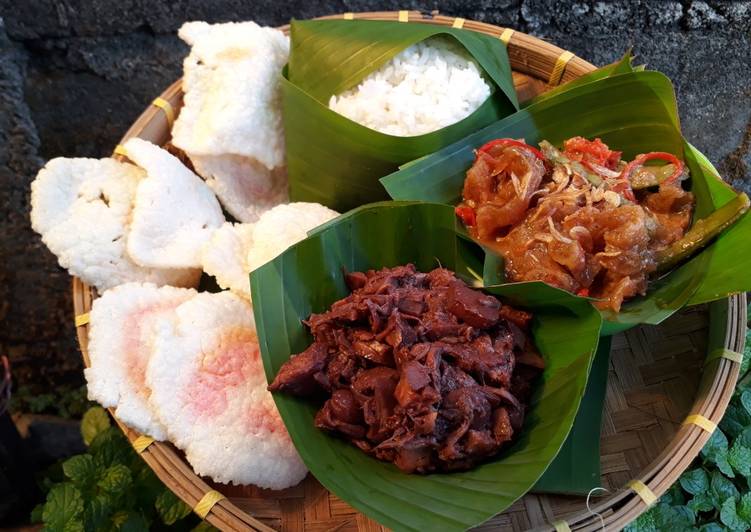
{"x":426,"y":87}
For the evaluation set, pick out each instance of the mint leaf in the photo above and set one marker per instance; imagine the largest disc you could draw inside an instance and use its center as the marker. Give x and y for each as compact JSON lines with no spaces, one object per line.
{"x":716,"y":445}
{"x":64,"y":504}
{"x":134,"y":523}
{"x":746,"y":401}
{"x":711,"y":527}
{"x":115,"y":479}
{"x":110,"y":447}
{"x":715,"y":451}
{"x":674,"y":496}
{"x":682,"y":516}
{"x":744,"y":438}
{"x":119,"y":518}
{"x":170,"y":508}
{"x":695,"y":481}
{"x":75,"y":525}
{"x":746,"y":362}
{"x":739,"y":457}
{"x":735,"y":419}
{"x":730,"y":517}
{"x":702,"y":502}
{"x":722,"y":489}
{"x":644,"y":523}
{"x":94,"y":421}
{"x":36,"y":514}
{"x":744,"y":507}
{"x":80,"y":469}
{"x":98,"y":511}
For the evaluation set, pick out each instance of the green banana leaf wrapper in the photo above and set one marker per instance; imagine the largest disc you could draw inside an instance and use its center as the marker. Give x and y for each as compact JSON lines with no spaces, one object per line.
{"x":337,"y":162}
{"x":308,"y":278}
{"x":631,"y":110}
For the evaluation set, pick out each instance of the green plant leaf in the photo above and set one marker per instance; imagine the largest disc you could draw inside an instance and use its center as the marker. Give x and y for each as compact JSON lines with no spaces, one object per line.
{"x":170,"y":508}
{"x":739,"y":457}
{"x":667,"y":517}
{"x":746,"y":401}
{"x":337,"y":162}
{"x":644,"y":523}
{"x":744,"y":438}
{"x":308,"y":278}
{"x":744,"y":508}
{"x":94,"y":421}
{"x":36,"y":514}
{"x":735,"y":420}
{"x":634,"y":112}
{"x":80,"y":469}
{"x":64,"y":505}
{"x":695,"y":481}
{"x":98,"y":511}
{"x":722,"y":489}
{"x":746,"y":362}
{"x":110,"y":447}
{"x":730,"y":518}
{"x":701,"y":502}
{"x":134,"y":522}
{"x":74,"y":525}
{"x":711,"y":527}
{"x":715,"y":451}
{"x":115,"y":479}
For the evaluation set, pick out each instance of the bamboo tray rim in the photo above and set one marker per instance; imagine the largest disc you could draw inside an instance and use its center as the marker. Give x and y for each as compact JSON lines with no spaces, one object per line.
{"x":553,"y":65}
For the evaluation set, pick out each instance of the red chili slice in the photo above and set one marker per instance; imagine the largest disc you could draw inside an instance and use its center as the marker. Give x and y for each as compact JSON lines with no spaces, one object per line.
{"x":660,"y":155}
{"x":466,"y":215}
{"x":511,"y":142}
{"x":596,"y":150}
{"x":584,"y":292}
{"x":624,"y":189}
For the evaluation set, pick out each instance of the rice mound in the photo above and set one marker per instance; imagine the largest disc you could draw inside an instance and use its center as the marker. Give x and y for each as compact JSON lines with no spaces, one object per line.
{"x":208,"y":387}
{"x":231,"y":123}
{"x":81,"y":208}
{"x":426,"y":87}
{"x":225,"y":257}
{"x":283,"y":226}
{"x":175,"y":213}
{"x":120,"y":338}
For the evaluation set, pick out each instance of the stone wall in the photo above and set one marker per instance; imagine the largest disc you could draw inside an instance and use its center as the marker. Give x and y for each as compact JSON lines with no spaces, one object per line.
{"x":74,"y":74}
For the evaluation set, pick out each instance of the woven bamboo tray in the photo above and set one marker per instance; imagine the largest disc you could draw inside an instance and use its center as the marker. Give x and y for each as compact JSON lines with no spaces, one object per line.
{"x":663,"y":396}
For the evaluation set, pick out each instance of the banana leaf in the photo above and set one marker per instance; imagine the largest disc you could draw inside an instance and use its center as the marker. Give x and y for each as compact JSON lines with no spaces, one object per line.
{"x":308,"y":278}
{"x":635,"y":112}
{"x":576,"y":468}
{"x":337,"y":162}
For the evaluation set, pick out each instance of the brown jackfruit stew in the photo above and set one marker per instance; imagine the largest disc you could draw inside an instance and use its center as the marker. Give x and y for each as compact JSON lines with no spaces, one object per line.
{"x":580,"y":219}
{"x":418,"y":369}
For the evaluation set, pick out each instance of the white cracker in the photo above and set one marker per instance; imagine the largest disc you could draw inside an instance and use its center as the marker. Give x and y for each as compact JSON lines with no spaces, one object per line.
{"x":245,"y":187}
{"x":175,"y":213}
{"x":283,"y":226}
{"x":231,"y":123}
{"x":81,"y":208}
{"x":232,"y":102}
{"x":225,"y":257}
{"x":120,"y":332}
{"x":209,"y":389}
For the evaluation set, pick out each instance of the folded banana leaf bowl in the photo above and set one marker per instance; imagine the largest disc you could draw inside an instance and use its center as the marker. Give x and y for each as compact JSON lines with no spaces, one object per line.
{"x":668,"y":361}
